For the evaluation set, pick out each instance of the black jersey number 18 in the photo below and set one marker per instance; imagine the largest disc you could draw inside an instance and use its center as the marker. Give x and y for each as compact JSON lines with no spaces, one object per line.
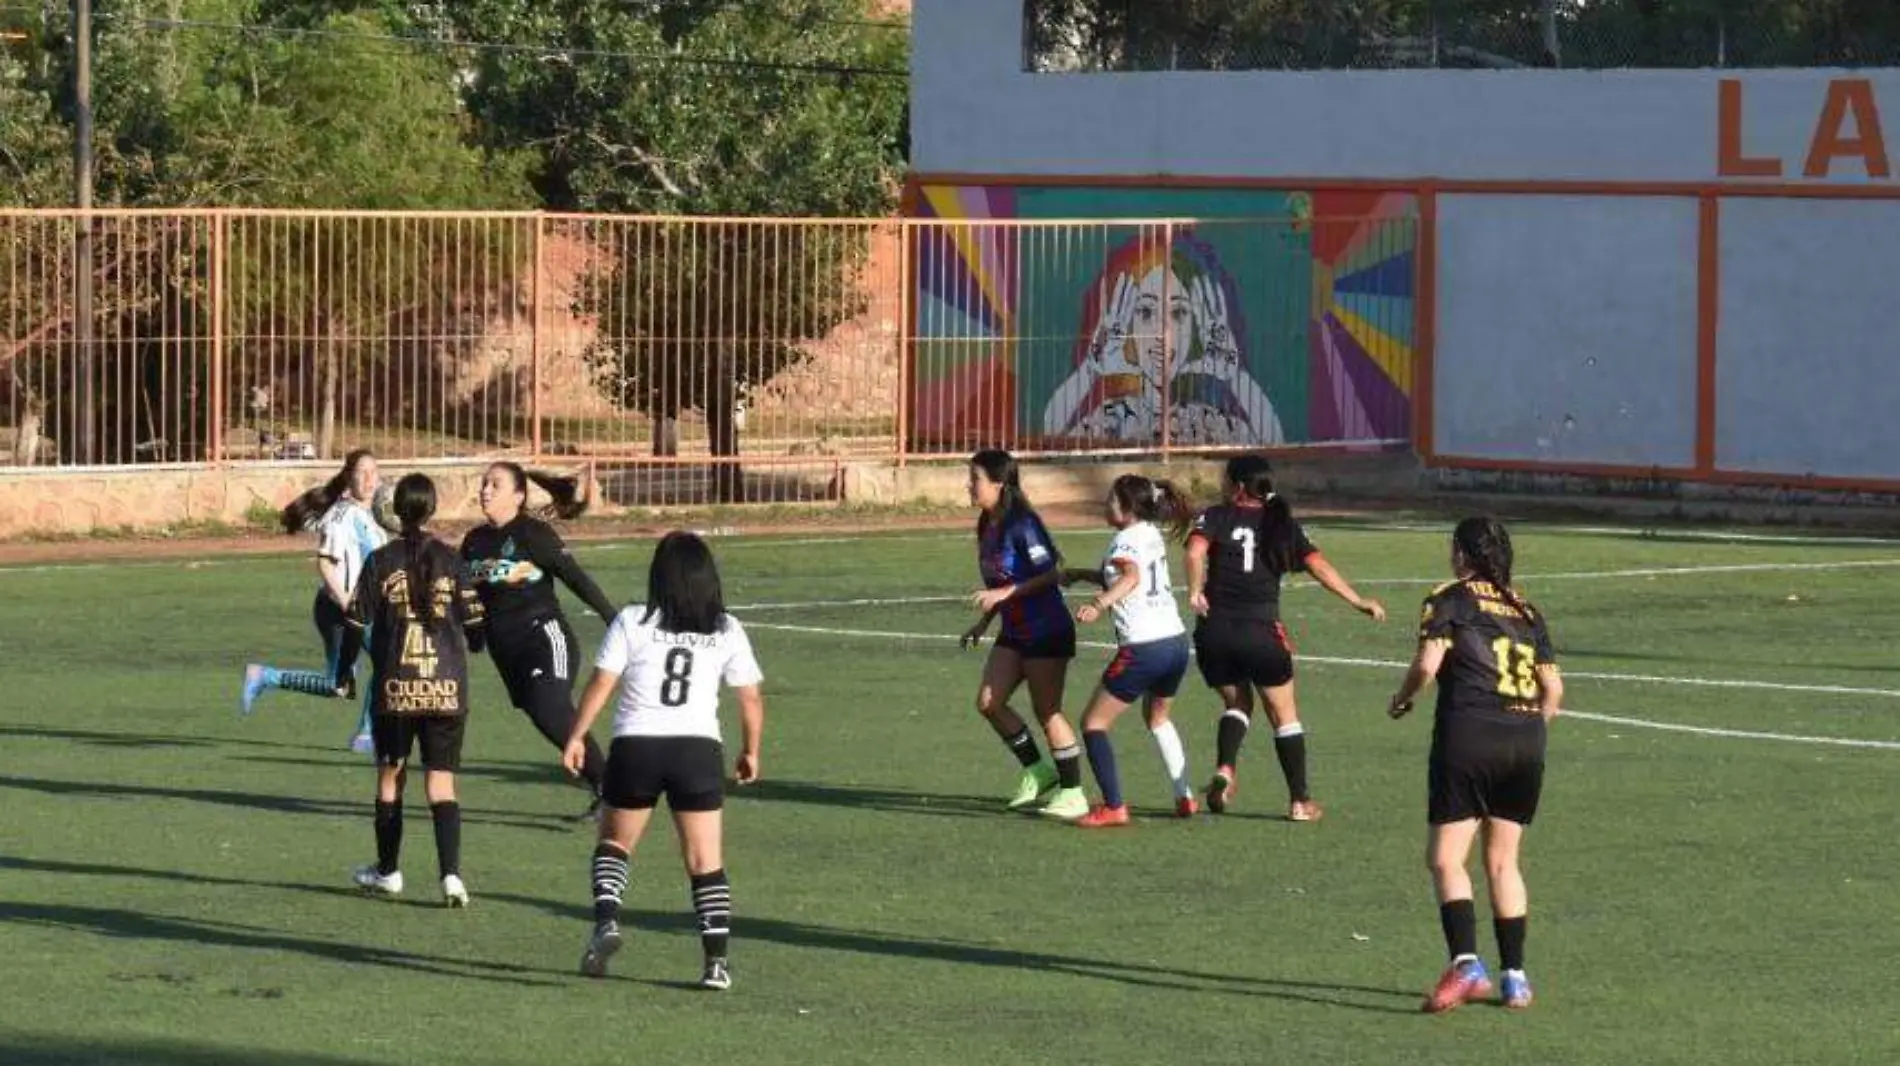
{"x":1517,"y":669}
{"x":679,"y":677}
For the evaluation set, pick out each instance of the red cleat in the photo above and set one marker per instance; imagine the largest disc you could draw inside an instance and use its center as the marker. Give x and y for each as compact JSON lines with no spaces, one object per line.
{"x":1461,"y":983}
{"x":1102,"y":816}
{"x":1220,"y":790}
{"x":1185,"y":807}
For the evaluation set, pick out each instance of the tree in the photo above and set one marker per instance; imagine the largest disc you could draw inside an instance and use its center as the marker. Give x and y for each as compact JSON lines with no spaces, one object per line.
{"x":698,"y":107}
{"x":233,"y":119}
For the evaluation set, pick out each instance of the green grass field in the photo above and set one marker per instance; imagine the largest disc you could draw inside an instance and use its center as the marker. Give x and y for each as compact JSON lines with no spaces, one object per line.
{"x":173,"y":881}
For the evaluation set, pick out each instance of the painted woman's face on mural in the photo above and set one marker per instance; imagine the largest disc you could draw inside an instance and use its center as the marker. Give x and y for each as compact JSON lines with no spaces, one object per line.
{"x":1159,"y":296}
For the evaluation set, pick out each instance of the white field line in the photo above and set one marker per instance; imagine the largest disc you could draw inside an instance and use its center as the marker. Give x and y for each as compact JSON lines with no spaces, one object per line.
{"x":1421,"y":582}
{"x":1388,"y":664}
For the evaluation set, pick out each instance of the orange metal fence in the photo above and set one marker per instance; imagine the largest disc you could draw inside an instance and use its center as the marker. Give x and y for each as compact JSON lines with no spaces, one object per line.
{"x":701,"y":358}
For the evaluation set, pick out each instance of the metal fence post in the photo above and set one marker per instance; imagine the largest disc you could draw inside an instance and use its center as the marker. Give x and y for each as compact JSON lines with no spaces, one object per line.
{"x":537,"y":326}
{"x":1167,"y":340}
{"x":214,"y":400}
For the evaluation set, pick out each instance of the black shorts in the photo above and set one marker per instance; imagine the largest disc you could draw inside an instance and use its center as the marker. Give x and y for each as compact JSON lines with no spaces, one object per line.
{"x":439,"y":736}
{"x":1485,"y":770}
{"x":342,"y":642}
{"x":533,"y":657}
{"x":1054,"y":646}
{"x":689,"y":771}
{"x":1243,"y":652}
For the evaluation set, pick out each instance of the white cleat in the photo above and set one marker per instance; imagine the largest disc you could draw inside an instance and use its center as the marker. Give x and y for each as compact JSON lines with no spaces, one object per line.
{"x":600,"y":947}
{"x":454,"y":892}
{"x":717,"y":977}
{"x":375,"y":883}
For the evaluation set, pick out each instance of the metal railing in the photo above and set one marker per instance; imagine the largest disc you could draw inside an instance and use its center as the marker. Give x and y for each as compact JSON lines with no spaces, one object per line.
{"x":700,"y":358}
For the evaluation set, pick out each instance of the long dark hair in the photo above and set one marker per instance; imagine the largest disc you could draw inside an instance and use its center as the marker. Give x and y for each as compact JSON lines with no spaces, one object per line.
{"x":312,"y":505}
{"x":1157,"y":501}
{"x":567,"y":495}
{"x":414,"y":506}
{"x":1000,"y":468}
{"x":683,"y":590}
{"x":1252,"y":476}
{"x":1485,"y":546}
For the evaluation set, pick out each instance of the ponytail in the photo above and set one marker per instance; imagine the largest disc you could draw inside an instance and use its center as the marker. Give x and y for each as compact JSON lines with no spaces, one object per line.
{"x":312,"y":505}
{"x":568,"y":495}
{"x":1485,"y":546}
{"x":1159,"y":501}
{"x":422,"y":565}
{"x":1252,"y":478}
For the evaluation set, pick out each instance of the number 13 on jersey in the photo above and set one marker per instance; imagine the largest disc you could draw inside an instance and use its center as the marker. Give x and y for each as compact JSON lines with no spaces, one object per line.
{"x":1517,"y":669}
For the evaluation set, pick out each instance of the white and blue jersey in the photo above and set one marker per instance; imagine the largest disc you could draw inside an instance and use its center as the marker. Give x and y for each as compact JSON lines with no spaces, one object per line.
{"x":346,"y":535}
{"x":1153,"y":656}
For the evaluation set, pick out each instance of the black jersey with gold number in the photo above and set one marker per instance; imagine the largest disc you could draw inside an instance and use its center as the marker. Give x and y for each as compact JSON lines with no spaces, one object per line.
{"x":1243,"y":570}
{"x":418,"y":669}
{"x":1490,"y":669}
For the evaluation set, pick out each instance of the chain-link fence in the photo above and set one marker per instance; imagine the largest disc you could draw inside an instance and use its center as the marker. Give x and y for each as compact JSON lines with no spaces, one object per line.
{"x":1143,"y":35}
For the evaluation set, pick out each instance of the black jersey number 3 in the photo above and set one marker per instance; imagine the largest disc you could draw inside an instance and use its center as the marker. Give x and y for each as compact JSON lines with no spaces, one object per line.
{"x":679,"y":677}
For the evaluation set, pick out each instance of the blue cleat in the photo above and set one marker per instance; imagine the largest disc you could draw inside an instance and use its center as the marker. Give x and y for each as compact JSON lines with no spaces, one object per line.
{"x":256,"y":680}
{"x":1516,"y":990}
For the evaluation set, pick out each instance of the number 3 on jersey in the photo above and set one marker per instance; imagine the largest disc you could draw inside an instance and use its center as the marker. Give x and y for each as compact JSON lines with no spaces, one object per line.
{"x":1517,"y":669}
{"x":679,"y":678}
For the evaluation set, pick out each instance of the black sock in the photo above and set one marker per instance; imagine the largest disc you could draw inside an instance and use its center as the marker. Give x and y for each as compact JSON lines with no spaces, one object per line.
{"x":388,"y":837}
{"x":1291,"y":749}
{"x":1024,"y":745}
{"x":1511,"y":940}
{"x":712,"y":902}
{"x":1068,"y":766}
{"x":610,"y":880}
{"x":448,"y":837}
{"x":1460,"y":921}
{"x":1233,"y":731}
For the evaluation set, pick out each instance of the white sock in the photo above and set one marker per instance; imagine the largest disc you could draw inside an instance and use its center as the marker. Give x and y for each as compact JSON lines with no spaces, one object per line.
{"x":1173,"y":758}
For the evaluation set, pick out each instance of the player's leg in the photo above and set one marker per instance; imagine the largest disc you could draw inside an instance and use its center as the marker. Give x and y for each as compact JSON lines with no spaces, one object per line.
{"x":629,"y":791}
{"x":1454,"y":809}
{"x":332,"y":631}
{"x":1048,"y":677}
{"x":442,"y":755}
{"x":1170,"y":669}
{"x":393,"y":737}
{"x":1222,"y":671}
{"x":1104,"y":707}
{"x":1514,"y":798}
{"x":696,"y":795}
{"x":1272,"y":671}
{"x":1002,"y":673}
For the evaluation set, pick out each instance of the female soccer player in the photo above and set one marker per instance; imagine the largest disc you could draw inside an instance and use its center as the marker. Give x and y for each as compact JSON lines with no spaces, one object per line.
{"x":1498,"y":686}
{"x":1152,"y":653}
{"x":416,"y":602}
{"x":1021,"y":569}
{"x":513,"y":561}
{"x":347,"y":532}
{"x":667,"y":660}
{"x":1236,"y":557}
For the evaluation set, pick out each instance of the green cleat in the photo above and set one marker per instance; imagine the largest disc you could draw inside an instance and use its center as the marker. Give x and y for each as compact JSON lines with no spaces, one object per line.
{"x":1036,"y":781}
{"x":1068,"y":805}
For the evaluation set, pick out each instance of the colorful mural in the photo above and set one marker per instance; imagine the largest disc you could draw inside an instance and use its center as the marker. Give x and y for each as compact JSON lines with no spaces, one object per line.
{"x":1060,"y":317}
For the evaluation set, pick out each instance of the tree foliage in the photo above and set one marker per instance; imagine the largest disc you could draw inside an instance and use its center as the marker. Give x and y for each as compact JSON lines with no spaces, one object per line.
{"x":772,"y":107}
{"x":1321,"y":34}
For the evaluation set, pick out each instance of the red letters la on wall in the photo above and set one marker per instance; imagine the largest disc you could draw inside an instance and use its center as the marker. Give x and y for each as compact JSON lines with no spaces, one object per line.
{"x":1848,"y":141}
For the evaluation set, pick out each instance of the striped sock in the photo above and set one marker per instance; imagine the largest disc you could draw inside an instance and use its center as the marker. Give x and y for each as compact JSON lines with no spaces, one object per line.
{"x":610,"y":881}
{"x":308,"y":682}
{"x":712,"y":902}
